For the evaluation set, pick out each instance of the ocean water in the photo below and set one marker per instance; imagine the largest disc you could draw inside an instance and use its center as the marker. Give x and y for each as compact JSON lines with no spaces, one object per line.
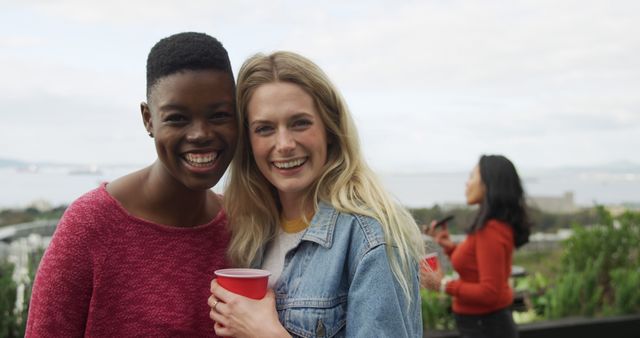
{"x":57,"y":185}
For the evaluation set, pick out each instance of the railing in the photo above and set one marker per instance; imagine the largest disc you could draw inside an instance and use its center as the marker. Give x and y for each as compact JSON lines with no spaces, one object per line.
{"x":627,"y":326}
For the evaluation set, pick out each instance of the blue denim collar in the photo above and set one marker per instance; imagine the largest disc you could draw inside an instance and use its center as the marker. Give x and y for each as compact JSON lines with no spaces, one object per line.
{"x":322,"y":225}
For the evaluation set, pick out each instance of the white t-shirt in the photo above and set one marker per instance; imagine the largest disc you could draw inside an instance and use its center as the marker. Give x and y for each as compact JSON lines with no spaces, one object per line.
{"x":288,"y":236}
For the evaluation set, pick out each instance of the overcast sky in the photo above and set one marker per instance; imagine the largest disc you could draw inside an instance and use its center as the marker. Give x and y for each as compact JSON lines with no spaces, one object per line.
{"x":431,"y":84}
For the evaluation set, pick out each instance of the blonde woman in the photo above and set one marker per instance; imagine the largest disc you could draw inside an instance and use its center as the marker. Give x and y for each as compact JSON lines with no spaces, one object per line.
{"x":304,"y":205}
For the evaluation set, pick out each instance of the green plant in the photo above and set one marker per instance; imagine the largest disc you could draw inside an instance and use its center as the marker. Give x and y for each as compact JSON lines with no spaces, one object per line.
{"x":536,"y":287}
{"x":15,"y":297}
{"x":576,"y":293}
{"x":600,"y":270}
{"x":626,"y":296}
{"x":538,"y":262}
{"x":7,"y":301}
{"x":616,"y":242}
{"x":436,"y":311}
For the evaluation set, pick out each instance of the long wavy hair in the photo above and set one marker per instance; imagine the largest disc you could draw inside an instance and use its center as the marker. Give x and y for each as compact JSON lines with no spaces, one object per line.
{"x":504,"y":198}
{"x":346,"y":181}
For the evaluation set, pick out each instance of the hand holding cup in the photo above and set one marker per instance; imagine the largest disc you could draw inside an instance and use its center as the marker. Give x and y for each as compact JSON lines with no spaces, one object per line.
{"x":243,"y":306}
{"x":250,"y":283}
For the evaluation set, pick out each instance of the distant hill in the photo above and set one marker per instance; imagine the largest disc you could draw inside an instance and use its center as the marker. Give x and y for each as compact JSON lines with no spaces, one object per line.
{"x":621,"y":165}
{"x":612,"y":167}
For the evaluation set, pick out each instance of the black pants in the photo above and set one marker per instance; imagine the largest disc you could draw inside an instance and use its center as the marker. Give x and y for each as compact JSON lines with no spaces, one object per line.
{"x":498,"y":324}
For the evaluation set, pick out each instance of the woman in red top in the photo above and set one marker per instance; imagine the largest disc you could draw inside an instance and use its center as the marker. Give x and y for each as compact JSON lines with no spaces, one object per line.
{"x":482,"y":296}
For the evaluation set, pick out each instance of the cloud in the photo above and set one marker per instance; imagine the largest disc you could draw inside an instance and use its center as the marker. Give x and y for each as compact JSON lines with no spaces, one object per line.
{"x":428,"y":82}
{"x":19,"y":41}
{"x":72,"y":130}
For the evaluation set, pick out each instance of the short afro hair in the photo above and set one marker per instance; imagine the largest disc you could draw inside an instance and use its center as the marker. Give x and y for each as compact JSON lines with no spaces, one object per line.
{"x":185,"y":51}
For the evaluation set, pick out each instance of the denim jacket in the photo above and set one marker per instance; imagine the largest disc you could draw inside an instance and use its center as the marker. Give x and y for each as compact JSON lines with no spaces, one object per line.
{"x":338,"y":282}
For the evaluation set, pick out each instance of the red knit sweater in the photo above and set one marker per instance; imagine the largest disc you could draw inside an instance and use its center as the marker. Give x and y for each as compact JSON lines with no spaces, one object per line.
{"x":483,"y":261}
{"x":107,"y":273}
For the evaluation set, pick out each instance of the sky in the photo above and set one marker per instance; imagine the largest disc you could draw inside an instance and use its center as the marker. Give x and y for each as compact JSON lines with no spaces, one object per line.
{"x":431,"y":84}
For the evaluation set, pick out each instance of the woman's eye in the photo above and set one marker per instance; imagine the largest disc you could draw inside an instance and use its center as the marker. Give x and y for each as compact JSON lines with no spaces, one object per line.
{"x":302,"y":123}
{"x":263,"y":130}
{"x":220,"y":116}
{"x":175,"y":118}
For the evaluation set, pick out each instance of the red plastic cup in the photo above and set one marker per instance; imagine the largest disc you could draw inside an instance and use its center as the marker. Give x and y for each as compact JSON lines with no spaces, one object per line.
{"x":432,"y":260}
{"x":250,"y":283}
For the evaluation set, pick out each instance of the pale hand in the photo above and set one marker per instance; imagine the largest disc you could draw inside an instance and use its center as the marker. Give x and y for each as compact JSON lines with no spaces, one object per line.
{"x":238,"y":316}
{"x":430,"y":279}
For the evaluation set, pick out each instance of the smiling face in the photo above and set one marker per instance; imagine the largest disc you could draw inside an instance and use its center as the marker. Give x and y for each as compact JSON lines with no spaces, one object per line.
{"x":288,"y":138}
{"x":475,"y":189}
{"x":191,"y":115}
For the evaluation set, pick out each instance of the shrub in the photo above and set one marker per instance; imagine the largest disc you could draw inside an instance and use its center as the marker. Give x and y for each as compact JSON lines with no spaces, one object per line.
{"x":436,"y":311}
{"x":599,"y":275}
{"x":8,"y":320}
{"x":626,"y":296}
{"x":576,"y":293}
{"x":600,"y":269}
{"x":15,"y":294}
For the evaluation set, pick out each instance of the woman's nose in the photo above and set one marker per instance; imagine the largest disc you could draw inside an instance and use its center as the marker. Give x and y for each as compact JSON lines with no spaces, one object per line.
{"x":199,"y":132}
{"x":285,"y":142}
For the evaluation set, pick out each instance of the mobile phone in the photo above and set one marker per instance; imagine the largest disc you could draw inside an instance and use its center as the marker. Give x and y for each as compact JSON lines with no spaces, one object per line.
{"x":443,"y":221}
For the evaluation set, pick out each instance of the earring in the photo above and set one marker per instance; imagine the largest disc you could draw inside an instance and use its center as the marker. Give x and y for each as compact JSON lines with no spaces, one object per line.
{"x":151,"y":134}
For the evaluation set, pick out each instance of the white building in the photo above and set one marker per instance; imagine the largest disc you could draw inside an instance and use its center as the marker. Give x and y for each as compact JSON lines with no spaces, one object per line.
{"x":554,"y":204}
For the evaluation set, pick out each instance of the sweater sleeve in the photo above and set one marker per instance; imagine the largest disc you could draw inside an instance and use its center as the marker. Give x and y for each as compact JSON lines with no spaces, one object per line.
{"x":63,"y":284}
{"x":492,"y":245}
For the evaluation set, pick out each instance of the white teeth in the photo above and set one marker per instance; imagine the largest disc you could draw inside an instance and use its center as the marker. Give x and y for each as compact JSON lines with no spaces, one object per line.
{"x":200,"y":160}
{"x":289,"y":164}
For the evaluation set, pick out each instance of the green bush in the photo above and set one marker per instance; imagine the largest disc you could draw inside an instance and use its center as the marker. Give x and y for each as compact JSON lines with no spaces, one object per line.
{"x":8,"y":320}
{"x":598,"y":275}
{"x":576,"y":293}
{"x":535,"y":285}
{"x":436,"y":311}
{"x":626,"y":297}
{"x":617,"y":243}
{"x":600,"y":270}
{"x":13,"y":320}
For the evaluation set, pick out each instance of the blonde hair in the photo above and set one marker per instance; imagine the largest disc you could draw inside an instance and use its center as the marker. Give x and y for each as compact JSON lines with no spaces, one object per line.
{"x":347,"y":183}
